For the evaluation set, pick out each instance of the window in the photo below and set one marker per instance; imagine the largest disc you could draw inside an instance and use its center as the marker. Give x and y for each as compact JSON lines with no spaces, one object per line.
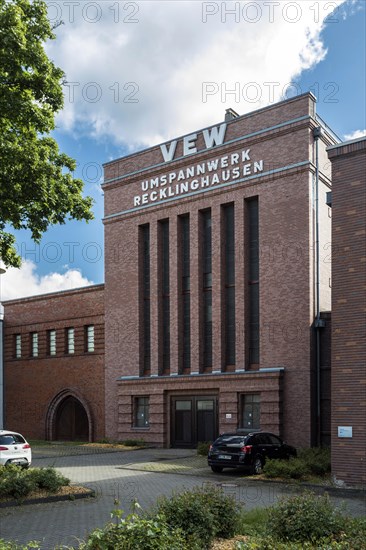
{"x":34,"y":344}
{"x":70,"y":340}
{"x":250,"y":412}
{"x":207,"y":288}
{"x":229,"y":282}
{"x":144,"y":270}
{"x":252,"y":244}
{"x":51,"y":342}
{"x":141,"y":412}
{"x":18,"y":346}
{"x":164,"y":297}
{"x":185,"y":363}
{"x":89,"y":338}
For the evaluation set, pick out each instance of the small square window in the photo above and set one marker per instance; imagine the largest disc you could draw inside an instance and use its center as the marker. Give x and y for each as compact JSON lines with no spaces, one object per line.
{"x":89,"y":338}
{"x":70,"y":340}
{"x":142,"y":412}
{"x":51,"y":342}
{"x":18,"y":346}
{"x":34,"y":344}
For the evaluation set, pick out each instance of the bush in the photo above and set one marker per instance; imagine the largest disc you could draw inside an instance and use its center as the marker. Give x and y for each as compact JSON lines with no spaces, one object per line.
{"x":202,"y":513}
{"x":203,"y":447}
{"x":317,"y":460}
{"x":48,"y":479}
{"x":9,"y":545}
{"x":135,"y":532}
{"x":306,"y":517}
{"x":134,"y":443}
{"x":18,"y":483}
{"x":294,"y":468}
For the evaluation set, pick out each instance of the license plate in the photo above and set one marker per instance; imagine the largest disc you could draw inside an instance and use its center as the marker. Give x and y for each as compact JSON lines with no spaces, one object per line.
{"x":225,"y":457}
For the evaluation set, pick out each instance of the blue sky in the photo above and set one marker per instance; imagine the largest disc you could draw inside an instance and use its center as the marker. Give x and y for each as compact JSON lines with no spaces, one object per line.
{"x":139,"y":75}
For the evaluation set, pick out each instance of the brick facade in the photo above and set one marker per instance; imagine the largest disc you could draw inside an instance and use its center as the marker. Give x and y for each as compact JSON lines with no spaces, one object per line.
{"x":349,"y":310}
{"x":35,"y":387}
{"x":282,"y":136}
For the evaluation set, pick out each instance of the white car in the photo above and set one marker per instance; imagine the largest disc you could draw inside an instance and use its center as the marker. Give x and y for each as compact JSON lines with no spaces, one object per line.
{"x":14,"y":449}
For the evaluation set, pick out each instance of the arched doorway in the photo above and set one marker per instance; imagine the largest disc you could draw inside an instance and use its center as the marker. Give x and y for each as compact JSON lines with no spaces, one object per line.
{"x":71,"y":421}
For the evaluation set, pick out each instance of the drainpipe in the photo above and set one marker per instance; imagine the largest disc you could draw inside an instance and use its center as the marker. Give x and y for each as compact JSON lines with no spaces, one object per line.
{"x":318,"y":323}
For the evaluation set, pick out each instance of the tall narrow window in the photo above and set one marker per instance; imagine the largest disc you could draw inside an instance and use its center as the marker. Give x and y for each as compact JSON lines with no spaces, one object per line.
{"x":250,"y":411}
{"x":18,"y":346}
{"x":144,"y":244}
{"x":229,"y":282}
{"x":142,"y":412}
{"x":51,"y":334}
{"x":253,"y":281}
{"x":207,"y":288}
{"x":34,"y":344}
{"x":70,"y":340}
{"x":165,"y":298}
{"x":185,"y":294}
{"x":89,"y":338}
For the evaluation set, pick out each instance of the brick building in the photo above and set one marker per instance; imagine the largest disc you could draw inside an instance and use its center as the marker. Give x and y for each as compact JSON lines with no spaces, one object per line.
{"x":54,"y":365}
{"x":216,"y":300}
{"x":349,"y":311}
{"x":211,"y":286}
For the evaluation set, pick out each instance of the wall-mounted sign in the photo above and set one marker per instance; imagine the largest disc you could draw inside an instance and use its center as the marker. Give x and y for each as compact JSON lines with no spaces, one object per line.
{"x":228,"y":415}
{"x":344,"y":431}
{"x":212,"y":136}
{"x":201,"y":176}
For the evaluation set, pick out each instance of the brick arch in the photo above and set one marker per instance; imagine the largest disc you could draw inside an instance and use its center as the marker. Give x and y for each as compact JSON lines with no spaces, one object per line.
{"x":53,"y":409}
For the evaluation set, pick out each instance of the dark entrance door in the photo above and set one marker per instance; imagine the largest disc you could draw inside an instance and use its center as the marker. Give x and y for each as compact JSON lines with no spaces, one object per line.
{"x":193,"y":420}
{"x":71,"y":421}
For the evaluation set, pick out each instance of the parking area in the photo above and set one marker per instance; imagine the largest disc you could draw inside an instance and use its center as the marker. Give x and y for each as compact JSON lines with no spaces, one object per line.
{"x":143,"y":475}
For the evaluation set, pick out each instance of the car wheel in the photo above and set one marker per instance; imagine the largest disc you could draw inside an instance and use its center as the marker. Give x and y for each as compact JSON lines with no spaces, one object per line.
{"x":257,"y":466}
{"x":217,"y":469}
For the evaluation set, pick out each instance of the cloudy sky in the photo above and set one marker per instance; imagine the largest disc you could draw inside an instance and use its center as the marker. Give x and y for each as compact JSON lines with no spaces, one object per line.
{"x":142,"y":72}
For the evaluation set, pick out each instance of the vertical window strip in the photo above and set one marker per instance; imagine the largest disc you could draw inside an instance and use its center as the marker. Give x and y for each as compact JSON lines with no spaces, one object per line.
{"x":71,"y":340}
{"x":90,"y":347}
{"x":186,"y":298}
{"x":18,"y":346}
{"x":229,"y":240}
{"x":34,"y":344}
{"x":253,"y":283}
{"x":165,"y":297}
{"x":207,"y":288}
{"x":52,"y":342}
{"x":144,"y":235}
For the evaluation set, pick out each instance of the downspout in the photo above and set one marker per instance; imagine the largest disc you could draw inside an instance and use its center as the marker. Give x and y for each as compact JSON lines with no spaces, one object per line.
{"x":318,"y":323}
{"x":1,"y":357}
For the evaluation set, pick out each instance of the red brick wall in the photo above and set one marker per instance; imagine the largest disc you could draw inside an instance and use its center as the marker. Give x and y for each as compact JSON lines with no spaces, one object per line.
{"x":286,"y":262}
{"x":32,"y":384}
{"x":349,"y":311}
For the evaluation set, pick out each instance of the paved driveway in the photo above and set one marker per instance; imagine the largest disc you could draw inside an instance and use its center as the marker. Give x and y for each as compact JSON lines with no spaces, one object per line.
{"x":142,"y":475}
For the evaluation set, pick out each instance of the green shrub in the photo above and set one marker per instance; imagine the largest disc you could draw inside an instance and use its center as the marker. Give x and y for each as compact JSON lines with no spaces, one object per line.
{"x":202,"y":513}
{"x":48,"y":479}
{"x":294,"y":468}
{"x":134,"y":443}
{"x":305,"y":517}
{"x":203,"y":447}
{"x":9,"y":545}
{"x":16,"y":483}
{"x":317,"y":460}
{"x":135,"y":532}
{"x":252,"y":522}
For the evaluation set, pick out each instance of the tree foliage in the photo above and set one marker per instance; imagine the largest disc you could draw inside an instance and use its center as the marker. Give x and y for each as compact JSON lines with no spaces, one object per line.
{"x":37,"y":188}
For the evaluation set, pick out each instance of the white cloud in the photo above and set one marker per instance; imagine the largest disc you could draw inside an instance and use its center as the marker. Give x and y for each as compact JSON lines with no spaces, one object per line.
{"x":354,"y":135}
{"x":163,"y":59}
{"x":18,"y":283}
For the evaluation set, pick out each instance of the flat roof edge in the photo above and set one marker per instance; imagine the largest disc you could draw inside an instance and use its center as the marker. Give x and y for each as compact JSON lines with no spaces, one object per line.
{"x":81,"y":289}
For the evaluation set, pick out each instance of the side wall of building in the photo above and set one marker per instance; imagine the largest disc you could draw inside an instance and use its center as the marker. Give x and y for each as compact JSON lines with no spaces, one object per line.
{"x":349,"y":312}
{"x":35,"y":387}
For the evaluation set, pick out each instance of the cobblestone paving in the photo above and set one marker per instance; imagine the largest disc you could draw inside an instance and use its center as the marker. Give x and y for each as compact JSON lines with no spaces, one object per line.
{"x":124,"y":476}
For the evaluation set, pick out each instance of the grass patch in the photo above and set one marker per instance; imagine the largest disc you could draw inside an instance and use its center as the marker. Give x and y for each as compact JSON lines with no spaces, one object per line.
{"x":252,"y":522}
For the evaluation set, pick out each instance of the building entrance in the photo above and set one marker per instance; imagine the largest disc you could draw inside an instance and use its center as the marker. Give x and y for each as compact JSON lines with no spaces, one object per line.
{"x":71,"y":421}
{"x":194,"y":419}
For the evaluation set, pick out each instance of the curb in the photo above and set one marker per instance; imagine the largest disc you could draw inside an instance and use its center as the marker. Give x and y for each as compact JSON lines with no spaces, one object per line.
{"x":44,"y":500}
